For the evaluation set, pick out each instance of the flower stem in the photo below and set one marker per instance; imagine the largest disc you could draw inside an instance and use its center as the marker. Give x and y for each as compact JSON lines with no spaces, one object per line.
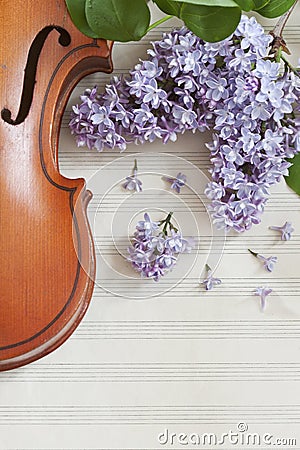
{"x":289,"y":65}
{"x":278,"y":56}
{"x":135,"y":165}
{"x":280,"y":25}
{"x":278,"y":44}
{"x":167,"y":223}
{"x":207,"y":268}
{"x":158,"y":22}
{"x":252,"y":253}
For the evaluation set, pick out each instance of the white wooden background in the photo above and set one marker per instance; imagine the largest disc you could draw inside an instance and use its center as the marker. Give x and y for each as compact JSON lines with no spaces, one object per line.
{"x":186,"y":360}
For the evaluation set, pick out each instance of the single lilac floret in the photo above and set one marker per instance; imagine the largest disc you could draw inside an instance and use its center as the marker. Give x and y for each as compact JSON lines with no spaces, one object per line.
{"x":176,"y":243}
{"x":262,"y":292}
{"x":268,"y":262}
{"x":286,"y":231}
{"x":132,"y":183}
{"x":210,"y":282}
{"x":146,"y":226}
{"x":178,"y":182}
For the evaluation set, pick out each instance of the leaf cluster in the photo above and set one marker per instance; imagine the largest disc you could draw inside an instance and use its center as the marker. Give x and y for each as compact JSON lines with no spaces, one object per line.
{"x":129,"y":20}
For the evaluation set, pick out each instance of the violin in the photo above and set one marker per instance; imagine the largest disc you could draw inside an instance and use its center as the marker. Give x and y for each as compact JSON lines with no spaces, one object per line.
{"x":47,"y":254}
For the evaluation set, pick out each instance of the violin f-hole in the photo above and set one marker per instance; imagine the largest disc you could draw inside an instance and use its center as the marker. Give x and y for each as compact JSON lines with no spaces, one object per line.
{"x":30,"y":72}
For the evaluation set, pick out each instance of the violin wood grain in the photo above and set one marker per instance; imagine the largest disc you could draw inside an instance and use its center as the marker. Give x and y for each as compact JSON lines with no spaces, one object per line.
{"x":47,"y":254}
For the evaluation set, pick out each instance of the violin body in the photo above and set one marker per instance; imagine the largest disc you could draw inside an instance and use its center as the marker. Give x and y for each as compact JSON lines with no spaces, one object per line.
{"x":47,"y":255}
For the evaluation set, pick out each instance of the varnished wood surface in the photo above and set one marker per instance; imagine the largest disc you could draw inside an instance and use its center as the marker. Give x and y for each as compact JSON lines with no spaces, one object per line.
{"x":47,"y":256}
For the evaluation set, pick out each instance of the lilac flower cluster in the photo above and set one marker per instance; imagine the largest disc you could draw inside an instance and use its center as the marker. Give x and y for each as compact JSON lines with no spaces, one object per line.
{"x":254,"y":129}
{"x":154,"y":253}
{"x":233,"y":88}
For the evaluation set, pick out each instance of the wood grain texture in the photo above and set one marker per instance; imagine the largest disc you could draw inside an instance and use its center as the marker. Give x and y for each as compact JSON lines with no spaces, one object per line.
{"x":46,"y":248}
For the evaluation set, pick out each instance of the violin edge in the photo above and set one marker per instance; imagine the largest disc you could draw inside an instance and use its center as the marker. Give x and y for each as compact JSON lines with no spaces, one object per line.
{"x":85,"y":66}
{"x":65,"y":332}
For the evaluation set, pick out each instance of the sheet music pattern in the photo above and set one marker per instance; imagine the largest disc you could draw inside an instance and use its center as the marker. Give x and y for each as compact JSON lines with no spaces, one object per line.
{"x":184,"y":360}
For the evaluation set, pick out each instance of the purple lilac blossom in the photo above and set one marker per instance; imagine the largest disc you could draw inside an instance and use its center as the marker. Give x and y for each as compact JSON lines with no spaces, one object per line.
{"x":286,"y":231}
{"x":268,"y":262}
{"x":146,"y":227}
{"x":132,"y":183}
{"x":229,"y":88}
{"x":176,"y":183}
{"x":153,"y":253}
{"x":210,"y":282}
{"x":262,"y":292}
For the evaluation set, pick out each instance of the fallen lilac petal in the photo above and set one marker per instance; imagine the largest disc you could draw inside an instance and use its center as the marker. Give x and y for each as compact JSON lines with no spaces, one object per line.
{"x":210,"y":282}
{"x":286,"y":231}
{"x":133,"y":184}
{"x":176,"y":183}
{"x":262,"y":292}
{"x":269,"y":263}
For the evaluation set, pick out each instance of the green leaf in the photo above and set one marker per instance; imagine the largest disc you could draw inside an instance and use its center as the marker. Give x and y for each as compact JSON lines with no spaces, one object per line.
{"x":293,"y":179}
{"x":245,"y":5}
{"x":118,"y":20}
{"x":210,"y":23}
{"x":171,"y":7}
{"x":276,"y":8}
{"x":224,"y":3}
{"x":260,"y":4}
{"x":76,"y":10}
